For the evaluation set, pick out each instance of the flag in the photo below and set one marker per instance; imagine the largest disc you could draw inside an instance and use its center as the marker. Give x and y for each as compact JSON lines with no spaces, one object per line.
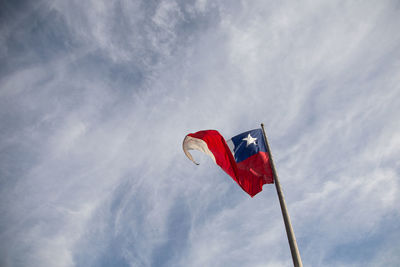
{"x":244,"y":157}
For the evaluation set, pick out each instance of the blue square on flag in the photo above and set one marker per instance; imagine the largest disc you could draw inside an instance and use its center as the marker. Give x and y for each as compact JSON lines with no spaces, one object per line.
{"x":247,"y":144}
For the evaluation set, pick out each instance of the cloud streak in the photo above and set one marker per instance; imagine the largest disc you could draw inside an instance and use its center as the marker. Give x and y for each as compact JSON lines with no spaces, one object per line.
{"x":96,"y":98}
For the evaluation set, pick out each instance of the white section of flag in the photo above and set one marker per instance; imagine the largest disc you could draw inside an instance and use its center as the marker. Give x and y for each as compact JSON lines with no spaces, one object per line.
{"x":191,"y":143}
{"x":231,"y":146}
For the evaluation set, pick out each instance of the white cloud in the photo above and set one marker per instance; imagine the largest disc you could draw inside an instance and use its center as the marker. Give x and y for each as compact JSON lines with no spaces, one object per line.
{"x":92,"y":170}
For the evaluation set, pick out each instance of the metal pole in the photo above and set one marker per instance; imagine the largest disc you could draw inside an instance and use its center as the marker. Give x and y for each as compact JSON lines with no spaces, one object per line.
{"x":288,"y":225}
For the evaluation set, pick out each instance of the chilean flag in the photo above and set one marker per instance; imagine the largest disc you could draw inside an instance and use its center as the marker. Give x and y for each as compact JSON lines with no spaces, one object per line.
{"x":244,"y":157}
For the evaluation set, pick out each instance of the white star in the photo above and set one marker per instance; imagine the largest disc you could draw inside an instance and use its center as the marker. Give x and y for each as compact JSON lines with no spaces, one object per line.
{"x":250,"y":140}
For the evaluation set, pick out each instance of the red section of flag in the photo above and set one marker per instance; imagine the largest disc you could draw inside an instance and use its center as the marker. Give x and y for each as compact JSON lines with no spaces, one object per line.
{"x":254,"y":172}
{"x":251,"y":174}
{"x":217,"y":145}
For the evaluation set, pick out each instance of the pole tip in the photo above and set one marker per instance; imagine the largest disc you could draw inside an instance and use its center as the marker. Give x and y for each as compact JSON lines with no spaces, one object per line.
{"x":262,"y":124}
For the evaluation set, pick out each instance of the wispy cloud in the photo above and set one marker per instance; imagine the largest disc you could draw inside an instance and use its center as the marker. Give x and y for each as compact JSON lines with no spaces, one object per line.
{"x":96,"y":97}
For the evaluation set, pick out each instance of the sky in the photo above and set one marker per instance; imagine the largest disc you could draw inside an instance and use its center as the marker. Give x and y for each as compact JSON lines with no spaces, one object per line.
{"x":97,"y":96}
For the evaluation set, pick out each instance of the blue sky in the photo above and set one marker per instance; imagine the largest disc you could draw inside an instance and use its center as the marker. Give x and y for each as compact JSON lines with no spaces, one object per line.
{"x":97,"y":96}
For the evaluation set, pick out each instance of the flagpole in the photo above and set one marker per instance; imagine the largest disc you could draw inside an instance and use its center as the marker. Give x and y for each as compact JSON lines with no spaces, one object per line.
{"x":286,"y":218}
